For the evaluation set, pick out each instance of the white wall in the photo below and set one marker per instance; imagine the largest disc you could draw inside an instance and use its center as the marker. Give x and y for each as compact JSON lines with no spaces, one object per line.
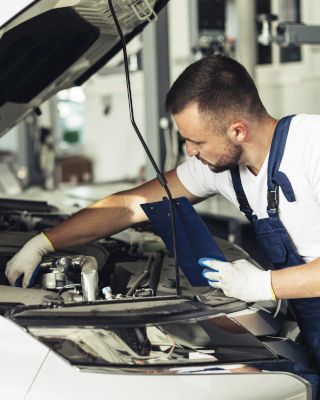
{"x":179,"y":37}
{"x":9,"y":142}
{"x":110,"y":139}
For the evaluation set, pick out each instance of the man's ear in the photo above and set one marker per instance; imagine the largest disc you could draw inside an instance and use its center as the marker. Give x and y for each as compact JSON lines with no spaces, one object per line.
{"x":238,"y":132}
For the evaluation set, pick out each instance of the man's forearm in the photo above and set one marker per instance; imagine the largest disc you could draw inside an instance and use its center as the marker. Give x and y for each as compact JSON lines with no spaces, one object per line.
{"x":113,"y":213}
{"x":301,"y":281}
{"x":103,"y":218}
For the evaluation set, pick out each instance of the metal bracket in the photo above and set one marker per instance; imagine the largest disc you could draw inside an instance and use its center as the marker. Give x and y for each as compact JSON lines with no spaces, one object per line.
{"x":287,"y":33}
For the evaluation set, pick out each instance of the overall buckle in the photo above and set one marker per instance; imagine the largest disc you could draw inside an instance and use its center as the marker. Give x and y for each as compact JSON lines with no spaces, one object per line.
{"x":273,"y":200}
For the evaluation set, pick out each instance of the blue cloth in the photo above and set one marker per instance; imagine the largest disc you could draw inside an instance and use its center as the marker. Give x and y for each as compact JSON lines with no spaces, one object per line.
{"x":276,"y":243}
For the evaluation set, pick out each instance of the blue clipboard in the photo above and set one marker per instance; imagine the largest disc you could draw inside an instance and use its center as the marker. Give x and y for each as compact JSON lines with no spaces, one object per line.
{"x":194,"y":240}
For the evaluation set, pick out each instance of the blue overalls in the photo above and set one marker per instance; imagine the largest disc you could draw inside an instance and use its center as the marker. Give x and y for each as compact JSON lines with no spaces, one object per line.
{"x":274,"y":239}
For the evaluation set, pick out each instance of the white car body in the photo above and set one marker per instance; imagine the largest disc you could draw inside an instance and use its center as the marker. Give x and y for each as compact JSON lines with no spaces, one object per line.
{"x":31,"y":371}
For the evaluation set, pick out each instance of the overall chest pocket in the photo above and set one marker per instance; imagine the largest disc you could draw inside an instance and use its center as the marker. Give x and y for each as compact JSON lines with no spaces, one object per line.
{"x":273,"y":247}
{"x":274,"y":242}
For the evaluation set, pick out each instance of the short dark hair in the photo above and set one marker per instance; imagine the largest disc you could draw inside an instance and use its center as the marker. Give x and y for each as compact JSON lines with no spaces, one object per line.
{"x":219,"y":85}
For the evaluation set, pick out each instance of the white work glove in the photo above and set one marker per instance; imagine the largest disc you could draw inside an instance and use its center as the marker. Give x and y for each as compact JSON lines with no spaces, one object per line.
{"x":239,"y":279}
{"x":27,"y":259}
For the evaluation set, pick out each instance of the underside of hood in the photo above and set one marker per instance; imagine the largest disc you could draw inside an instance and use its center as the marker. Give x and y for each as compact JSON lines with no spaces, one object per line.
{"x":52,"y":45}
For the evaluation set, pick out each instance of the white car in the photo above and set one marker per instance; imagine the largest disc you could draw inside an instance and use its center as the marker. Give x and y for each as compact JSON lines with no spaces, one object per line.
{"x":103,"y":320}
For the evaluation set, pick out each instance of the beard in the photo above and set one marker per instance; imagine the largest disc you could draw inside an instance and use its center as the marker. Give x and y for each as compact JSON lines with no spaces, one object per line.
{"x":228,"y":161}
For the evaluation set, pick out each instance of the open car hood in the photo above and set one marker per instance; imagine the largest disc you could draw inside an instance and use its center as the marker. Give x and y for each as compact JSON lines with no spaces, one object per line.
{"x":50,"y":45}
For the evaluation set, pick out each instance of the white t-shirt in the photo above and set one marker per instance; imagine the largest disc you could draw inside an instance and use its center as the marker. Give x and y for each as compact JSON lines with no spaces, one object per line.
{"x":301,"y":164}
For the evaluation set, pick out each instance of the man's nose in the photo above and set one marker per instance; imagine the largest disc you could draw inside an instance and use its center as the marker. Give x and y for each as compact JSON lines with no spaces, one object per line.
{"x":191,"y":149}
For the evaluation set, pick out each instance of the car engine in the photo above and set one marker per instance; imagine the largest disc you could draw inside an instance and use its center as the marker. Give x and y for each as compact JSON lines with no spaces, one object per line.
{"x":133,"y":263}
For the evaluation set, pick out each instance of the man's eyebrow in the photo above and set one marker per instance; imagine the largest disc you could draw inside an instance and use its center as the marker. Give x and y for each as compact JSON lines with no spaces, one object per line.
{"x":193,"y":141}
{"x":189,"y":140}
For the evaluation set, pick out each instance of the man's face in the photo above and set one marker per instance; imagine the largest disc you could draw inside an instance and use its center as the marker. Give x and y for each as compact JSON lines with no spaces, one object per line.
{"x":210,"y":146}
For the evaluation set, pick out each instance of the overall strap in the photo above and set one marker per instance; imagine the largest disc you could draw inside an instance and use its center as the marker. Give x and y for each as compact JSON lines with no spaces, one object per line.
{"x":241,"y":196}
{"x":276,"y":178}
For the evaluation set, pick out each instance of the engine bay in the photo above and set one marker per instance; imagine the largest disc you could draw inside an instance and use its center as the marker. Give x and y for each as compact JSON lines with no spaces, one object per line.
{"x":133,"y":263}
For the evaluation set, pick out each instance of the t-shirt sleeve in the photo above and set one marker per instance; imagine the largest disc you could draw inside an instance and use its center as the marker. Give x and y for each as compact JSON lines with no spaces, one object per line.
{"x":197,"y":178}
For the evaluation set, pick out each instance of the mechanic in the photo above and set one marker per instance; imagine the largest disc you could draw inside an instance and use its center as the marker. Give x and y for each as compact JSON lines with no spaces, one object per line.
{"x":270,"y":169}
